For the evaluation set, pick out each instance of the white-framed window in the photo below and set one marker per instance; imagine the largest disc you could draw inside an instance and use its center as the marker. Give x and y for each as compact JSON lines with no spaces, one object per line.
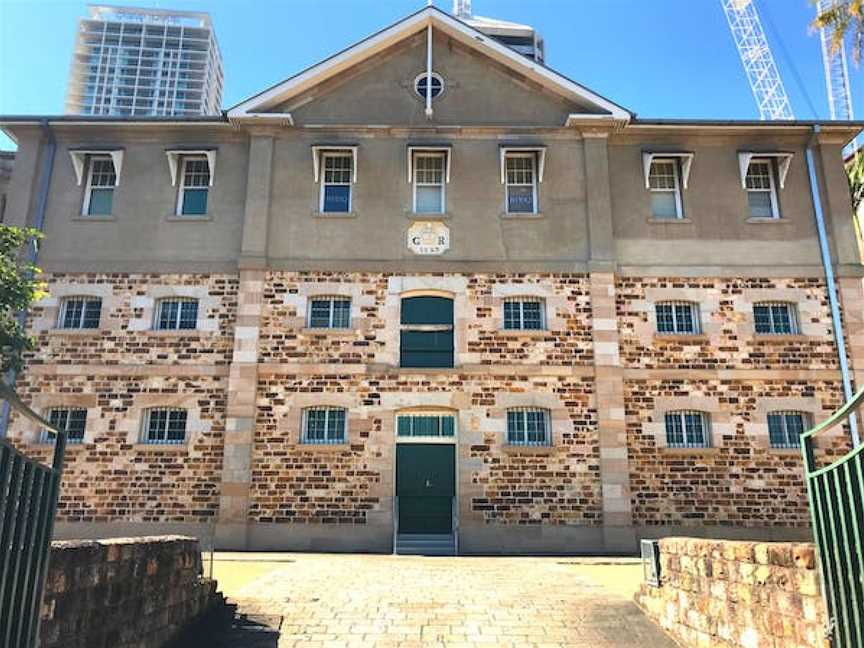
{"x":677,"y":318}
{"x":164,"y":425}
{"x":524,"y":313}
{"x":99,"y":191}
{"x":71,"y":419}
{"x":528,"y":426}
{"x":520,"y":172}
{"x":194,"y":185}
{"x":421,"y":83}
{"x":429,"y":192}
{"x":337,"y":174}
{"x":329,"y":312}
{"x":79,"y":313}
{"x":176,"y":313}
{"x":775,"y":318}
{"x":761,"y":189}
{"x":324,"y":425}
{"x":426,"y":424}
{"x":664,"y":183}
{"x":687,"y":429}
{"x":786,"y":427}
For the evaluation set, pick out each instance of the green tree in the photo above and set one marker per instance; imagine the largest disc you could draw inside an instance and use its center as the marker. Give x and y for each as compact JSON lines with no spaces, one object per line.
{"x":845,"y":17}
{"x":19,"y":288}
{"x":856,"y":181}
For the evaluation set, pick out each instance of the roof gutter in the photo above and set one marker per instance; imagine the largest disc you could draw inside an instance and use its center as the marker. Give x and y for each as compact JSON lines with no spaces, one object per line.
{"x":32,"y":253}
{"x":831,"y":285}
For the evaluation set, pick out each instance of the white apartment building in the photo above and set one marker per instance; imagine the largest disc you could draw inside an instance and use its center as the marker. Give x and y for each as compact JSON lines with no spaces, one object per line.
{"x":131,"y":61}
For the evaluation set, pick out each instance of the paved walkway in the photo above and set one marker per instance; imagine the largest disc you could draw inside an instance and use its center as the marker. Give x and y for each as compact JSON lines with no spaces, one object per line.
{"x":369,"y":601}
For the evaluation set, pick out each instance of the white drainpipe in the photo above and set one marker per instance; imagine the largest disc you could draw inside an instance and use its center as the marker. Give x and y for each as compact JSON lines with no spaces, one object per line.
{"x":831,"y":286}
{"x":429,"y":71}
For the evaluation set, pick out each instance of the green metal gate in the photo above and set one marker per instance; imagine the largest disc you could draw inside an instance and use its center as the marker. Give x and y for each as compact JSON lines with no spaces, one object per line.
{"x":28,"y":503}
{"x":836,"y":494}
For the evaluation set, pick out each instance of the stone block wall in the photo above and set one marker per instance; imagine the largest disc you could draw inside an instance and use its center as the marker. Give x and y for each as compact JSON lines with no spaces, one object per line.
{"x":727,"y":594}
{"x":122,"y":593}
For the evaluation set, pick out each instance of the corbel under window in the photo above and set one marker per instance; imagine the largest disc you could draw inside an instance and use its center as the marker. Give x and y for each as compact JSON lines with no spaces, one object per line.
{"x":685,"y":159}
{"x":420,"y":148}
{"x":175,"y":155}
{"x":539,"y":151}
{"x":783,"y":161}
{"x":318,"y":149}
{"x":79,"y":161}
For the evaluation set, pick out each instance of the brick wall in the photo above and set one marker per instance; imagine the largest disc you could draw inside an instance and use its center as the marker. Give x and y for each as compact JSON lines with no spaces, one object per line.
{"x":122,"y":593}
{"x":727,"y":594}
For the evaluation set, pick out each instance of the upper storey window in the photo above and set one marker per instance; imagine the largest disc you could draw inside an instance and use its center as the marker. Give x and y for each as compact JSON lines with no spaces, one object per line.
{"x":423,"y":86}
{"x":775,"y":318}
{"x":336,"y":183}
{"x":329,"y":312}
{"x":665,"y":186}
{"x":101,"y":180}
{"x":761,"y":190}
{"x":79,"y":313}
{"x":174,"y":314}
{"x":194,"y":186}
{"x":429,"y":183}
{"x":521,"y":183}
{"x":677,"y":318}
{"x":524,"y":313}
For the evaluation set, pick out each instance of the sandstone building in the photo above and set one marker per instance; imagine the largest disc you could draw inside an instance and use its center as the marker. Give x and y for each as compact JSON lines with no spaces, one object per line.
{"x":431,"y":291}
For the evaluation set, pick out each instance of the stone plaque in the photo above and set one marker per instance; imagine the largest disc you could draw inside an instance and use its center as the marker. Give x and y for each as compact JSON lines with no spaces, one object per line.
{"x":428,"y":237}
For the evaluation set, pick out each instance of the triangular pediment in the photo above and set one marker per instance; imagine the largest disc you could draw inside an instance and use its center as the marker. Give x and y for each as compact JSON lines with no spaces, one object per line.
{"x":539,"y":83}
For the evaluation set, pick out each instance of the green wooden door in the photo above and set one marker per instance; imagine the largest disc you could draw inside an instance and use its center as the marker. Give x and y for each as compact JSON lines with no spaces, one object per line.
{"x":425,"y":485}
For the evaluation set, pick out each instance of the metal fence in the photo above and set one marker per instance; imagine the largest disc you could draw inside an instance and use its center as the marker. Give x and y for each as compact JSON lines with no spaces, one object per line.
{"x":28,"y":502}
{"x":836,"y":494}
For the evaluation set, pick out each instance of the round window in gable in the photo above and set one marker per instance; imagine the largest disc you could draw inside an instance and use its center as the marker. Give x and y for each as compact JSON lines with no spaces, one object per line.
{"x":421,"y":85}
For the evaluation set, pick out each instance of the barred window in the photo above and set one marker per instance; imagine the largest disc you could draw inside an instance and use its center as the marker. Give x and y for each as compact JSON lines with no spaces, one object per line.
{"x":324,"y":425}
{"x":426,"y":424}
{"x":429,"y":183}
{"x":528,"y":426}
{"x":687,"y":429}
{"x":71,"y":419}
{"x":521,"y":183}
{"x":785,"y":428}
{"x":194,"y":186}
{"x":775,"y":318}
{"x":665,"y":188}
{"x":761,"y":190}
{"x":176,"y":313}
{"x":164,"y":425}
{"x":99,"y":192}
{"x":336,"y":182}
{"x":524,"y":313}
{"x":329,"y":312}
{"x":79,"y":313}
{"x":677,"y":318}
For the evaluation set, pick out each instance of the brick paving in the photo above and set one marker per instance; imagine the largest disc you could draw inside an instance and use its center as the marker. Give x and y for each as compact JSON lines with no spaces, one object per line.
{"x":329,"y":601}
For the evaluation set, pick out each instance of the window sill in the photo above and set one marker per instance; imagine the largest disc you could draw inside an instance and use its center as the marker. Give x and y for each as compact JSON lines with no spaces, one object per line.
{"x":766,"y":221}
{"x":668,"y":221}
{"x":74,"y":332}
{"x":180,"y":448}
{"x":416,"y":216}
{"x":335,"y":215}
{"x":785,"y":452}
{"x":179,"y":218}
{"x":335,"y":332}
{"x":528,"y":333}
{"x":324,"y":447}
{"x":80,"y":218}
{"x":695,"y":338}
{"x":780,"y":337}
{"x":690,"y":451}
{"x":174,"y":333}
{"x":522,"y":215}
{"x":509,"y":449}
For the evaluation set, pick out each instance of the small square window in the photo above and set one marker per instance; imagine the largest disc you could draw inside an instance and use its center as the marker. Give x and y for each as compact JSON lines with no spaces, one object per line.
{"x":324,"y":425}
{"x":521,"y":183}
{"x":329,"y":312}
{"x":528,"y":427}
{"x":524,"y":313}
{"x":72,"y":420}
{"x":176,"y":314}
{"x":164,"y":425}
{"x":785,"y":428}
{"x":687,"y":429}
{"x":677,"y":318}
{"x":80,"y":313}
{"x":775,"y":318}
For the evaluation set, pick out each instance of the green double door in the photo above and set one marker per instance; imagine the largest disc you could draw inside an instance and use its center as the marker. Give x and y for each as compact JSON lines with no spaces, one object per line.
{"x":425,"y":486}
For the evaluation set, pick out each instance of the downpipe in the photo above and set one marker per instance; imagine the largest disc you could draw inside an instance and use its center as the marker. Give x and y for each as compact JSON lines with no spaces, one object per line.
{"x":32,"y":254}
{"x":831,"y":286}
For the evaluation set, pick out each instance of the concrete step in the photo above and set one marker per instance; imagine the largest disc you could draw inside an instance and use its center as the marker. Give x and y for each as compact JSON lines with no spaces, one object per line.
{"x":426,"y":544}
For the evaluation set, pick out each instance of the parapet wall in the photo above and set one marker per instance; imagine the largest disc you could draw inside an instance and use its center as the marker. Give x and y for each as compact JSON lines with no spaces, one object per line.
{"x":731,"y":594}
{"x":123,"y":592}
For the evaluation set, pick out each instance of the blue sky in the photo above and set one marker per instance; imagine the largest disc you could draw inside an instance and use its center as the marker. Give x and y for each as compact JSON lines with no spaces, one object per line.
{"x":659,"y":58}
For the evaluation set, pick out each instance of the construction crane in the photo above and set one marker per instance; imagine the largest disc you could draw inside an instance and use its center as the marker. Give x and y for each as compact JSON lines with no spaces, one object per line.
{"x":836,"y":74}
{"x":758,"y":62}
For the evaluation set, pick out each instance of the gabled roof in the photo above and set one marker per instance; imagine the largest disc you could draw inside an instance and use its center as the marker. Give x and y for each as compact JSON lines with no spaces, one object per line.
{"x":264,"y":101}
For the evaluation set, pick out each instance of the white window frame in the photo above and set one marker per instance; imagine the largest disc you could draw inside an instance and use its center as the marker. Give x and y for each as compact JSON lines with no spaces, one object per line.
{"x":676,"y":325}
{"x":771,"y":191}
{"x":422,"y":76}
{"x":795,"y":325}
{"x":48,"y":437}
{"x":331,"y":311}
{"x":64,"y":305}
{"x":531,"y":155}
{"x":144,"y":436}
{"x":547,"y":424}
{"x":805,"y":425}
{"x":676,"y":191}
{"x":438,"y":155}
{"x":304,"y":432}
{"x":331,"y":154}
{"x":705,"y":423}
{"x":88,"y":189}
{"x":157,"y":313}
{"x":181,"y":191}
{"x":522,"y":300}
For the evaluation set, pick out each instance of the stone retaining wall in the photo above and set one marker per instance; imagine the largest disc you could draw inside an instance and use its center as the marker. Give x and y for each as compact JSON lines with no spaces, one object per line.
{"x":123,"y":592}
{"x":727,"y":594}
